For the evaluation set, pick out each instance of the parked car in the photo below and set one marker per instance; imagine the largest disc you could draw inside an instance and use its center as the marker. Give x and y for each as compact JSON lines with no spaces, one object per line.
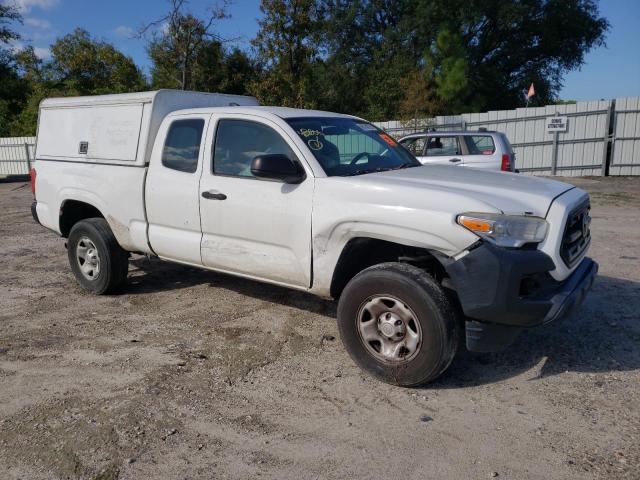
{"x":417,"y":256}
{"x":478,"y":149}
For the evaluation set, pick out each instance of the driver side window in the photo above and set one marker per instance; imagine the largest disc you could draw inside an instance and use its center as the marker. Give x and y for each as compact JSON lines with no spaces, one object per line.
{"x":238,"y":142}
{"x":443,"y":146}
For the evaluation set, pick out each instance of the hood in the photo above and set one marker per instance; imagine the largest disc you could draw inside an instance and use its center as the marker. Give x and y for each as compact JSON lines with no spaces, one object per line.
{"x":509,"y":192}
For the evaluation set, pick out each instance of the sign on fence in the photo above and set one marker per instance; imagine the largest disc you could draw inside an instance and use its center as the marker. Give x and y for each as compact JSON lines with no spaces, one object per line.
{"x":557,"y":124}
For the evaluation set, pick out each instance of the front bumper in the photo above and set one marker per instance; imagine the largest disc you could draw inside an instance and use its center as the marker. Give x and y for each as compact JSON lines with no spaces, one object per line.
{"x":502,"y":291}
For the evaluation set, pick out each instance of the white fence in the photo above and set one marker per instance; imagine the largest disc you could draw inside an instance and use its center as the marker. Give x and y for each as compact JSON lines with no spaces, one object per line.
{"x":625,"y":149}
{"x":602,"y":137}
{"x":16,"y":155}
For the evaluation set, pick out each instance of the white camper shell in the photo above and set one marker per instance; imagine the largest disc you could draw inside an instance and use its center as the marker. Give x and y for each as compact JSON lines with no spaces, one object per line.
{"x":115,"y":129}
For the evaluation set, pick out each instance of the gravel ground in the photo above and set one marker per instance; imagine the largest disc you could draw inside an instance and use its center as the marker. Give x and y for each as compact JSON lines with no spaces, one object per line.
{"x":193,"y":374}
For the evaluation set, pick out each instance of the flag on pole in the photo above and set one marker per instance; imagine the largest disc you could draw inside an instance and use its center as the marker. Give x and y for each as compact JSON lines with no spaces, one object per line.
{"x":531,"y":92}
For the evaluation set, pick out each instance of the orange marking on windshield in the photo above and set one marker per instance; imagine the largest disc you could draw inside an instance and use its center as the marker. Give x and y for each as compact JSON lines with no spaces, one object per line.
{"x":388,"y":139}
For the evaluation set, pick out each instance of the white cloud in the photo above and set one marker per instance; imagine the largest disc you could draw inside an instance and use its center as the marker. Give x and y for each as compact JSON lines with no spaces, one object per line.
{"x":42,"y":53}
{"x":37,"y":23}
{"x":16,"y":46}
{"x":124,"y":31}
{"x":25,"y":6}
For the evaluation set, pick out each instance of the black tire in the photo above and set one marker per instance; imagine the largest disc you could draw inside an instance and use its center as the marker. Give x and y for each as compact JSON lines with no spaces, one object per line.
{"x":113,"y":260}
{"x":435,"y":313}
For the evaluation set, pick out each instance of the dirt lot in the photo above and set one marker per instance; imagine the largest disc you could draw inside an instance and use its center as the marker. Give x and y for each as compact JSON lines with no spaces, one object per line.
{"x":192,"y":374}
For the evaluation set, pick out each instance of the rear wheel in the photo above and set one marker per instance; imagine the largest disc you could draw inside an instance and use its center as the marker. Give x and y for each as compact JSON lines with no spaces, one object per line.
{"x":397,"y":324}
{"x":98,"y":262}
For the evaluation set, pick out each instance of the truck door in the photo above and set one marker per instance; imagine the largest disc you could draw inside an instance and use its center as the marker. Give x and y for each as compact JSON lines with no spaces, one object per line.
{"x":443,"y":149}
{"x":251,"y":226}
{"x":171,"y":196}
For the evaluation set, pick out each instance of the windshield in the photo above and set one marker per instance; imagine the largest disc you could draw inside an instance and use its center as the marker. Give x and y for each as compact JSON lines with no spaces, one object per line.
{"x":347,"y":146}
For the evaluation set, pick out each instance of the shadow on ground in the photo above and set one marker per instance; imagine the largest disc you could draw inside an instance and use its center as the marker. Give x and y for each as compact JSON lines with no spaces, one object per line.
{"x":603,"y":336}
{"x":15,"y":179}
{"x":153,"y":275}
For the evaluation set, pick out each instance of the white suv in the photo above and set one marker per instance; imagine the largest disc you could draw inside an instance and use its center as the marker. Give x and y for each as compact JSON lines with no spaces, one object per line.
{"x":478,"y":149}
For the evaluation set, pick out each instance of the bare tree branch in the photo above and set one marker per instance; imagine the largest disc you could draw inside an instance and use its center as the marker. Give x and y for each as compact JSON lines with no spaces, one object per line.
{"x":185,"y":34}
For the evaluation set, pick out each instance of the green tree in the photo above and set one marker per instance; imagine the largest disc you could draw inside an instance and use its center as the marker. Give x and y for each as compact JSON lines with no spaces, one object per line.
{"x":368,"y":48}
{"x":90,"y":67}
{"x":473,"y":54}
{"x":13,"y":89}
{"x":287,"y":50}
{"x":420,"y":100}
{"x":449,"y":68}
{"x":486,"y":52}
{"x":238,"y":72}
{"x":9,"y":14}
{"x":79,"y":65}
{"x":184,"y":49}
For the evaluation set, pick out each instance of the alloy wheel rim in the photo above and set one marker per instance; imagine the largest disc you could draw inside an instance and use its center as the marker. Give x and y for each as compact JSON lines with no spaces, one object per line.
{"x":88,"y":258}
{"x":389,"y":329}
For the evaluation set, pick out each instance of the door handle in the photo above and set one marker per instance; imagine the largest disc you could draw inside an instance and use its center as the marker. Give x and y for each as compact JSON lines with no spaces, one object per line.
{"x":455,"y":160}
{"x":213,"y":195}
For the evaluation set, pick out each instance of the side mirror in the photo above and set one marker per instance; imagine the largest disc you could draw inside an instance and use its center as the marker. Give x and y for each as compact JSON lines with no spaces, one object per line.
{"x":277,"y":167}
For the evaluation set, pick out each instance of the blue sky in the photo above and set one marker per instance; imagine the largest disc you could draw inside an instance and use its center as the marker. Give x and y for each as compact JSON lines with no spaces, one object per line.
{"x":609,"y":72}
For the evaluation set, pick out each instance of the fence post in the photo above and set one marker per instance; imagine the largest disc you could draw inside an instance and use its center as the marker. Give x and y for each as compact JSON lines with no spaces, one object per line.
{"x":554,"y":154}
{"x":26,"y":151}
{"x":606,"y":151}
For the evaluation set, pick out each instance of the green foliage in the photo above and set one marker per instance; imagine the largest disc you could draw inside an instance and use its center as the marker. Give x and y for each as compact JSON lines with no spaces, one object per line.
{"x":9,"y":14}
{"x":187,"y":55}
{"x":287,"y":50}
{"x":178,"y":52}
{"x":79,"y":65}
{"x":563,"y":102}
{"x":13,"y":88}
{"x":90,"y":67}
{"x":448,"y":66}
{"x":379,"y":59}
{"x":474,"y":55}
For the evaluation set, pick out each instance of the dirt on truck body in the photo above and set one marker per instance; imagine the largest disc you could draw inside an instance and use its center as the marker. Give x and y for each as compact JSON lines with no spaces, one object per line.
{"x":193,"y":374}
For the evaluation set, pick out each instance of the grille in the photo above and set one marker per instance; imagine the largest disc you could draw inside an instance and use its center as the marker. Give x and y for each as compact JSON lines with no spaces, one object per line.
{"x":577,"y":235}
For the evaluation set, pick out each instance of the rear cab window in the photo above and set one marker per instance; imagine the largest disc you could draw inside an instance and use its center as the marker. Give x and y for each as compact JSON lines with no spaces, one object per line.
{"x":480,"y":144}
{"x":182,"y":145}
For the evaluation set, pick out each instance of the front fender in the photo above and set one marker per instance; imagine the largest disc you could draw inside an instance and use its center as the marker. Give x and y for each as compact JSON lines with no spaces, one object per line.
{"x":329,"y":245}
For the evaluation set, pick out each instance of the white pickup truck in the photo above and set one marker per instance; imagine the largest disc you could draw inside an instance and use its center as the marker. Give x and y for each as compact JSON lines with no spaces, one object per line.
{"x":418,"y":257}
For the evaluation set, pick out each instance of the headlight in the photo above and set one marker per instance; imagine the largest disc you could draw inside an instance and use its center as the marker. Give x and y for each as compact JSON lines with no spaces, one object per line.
{"x":505,"y":230}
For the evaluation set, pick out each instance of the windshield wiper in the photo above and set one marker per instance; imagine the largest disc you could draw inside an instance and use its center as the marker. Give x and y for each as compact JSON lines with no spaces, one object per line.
{"x":362,"y":172}
{"x":357,"y":172}
{"x":404,"y":165}
{"x":382,"y":169}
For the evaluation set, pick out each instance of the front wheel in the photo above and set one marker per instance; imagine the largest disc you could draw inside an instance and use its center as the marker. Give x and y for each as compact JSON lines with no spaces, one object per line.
{"x":98,"y":262}
{"x":397,"y":324}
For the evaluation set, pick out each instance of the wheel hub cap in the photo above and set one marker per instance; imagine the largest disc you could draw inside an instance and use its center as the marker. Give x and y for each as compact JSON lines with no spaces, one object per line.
{"x":88,"y":258}
{"x":389,"y":329}
{"x":391,"y":326}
